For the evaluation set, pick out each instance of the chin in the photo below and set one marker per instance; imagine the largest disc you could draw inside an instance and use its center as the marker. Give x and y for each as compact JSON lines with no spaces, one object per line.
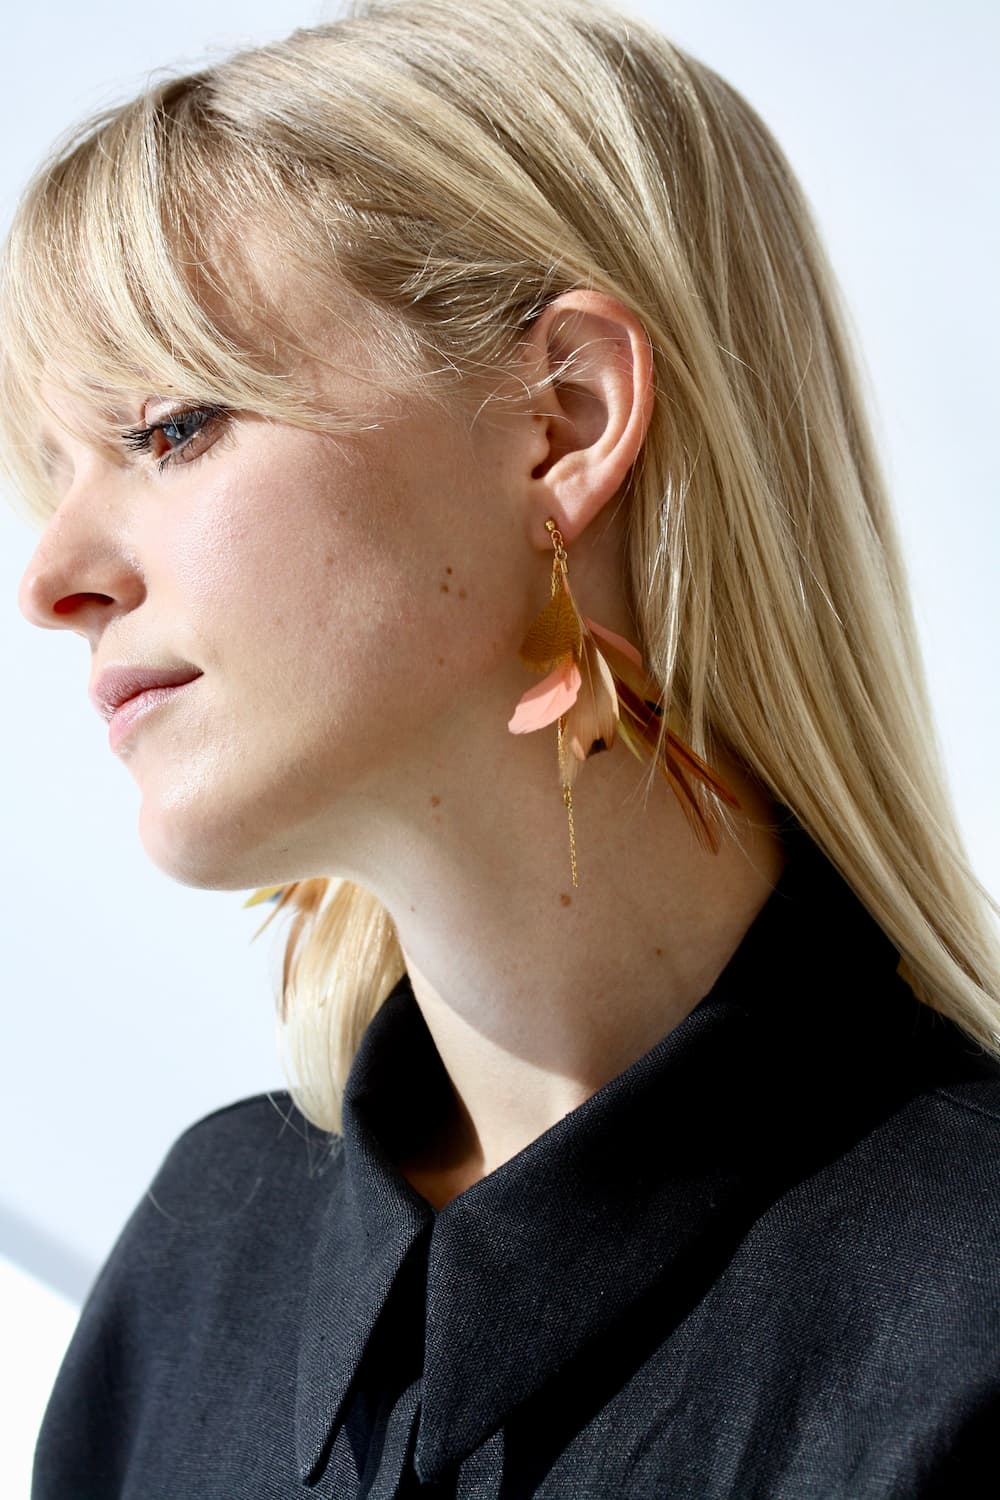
{"x":197,"y":856}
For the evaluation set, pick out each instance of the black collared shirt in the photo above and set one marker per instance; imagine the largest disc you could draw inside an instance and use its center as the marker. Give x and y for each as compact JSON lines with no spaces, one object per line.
{"x":762,"y":1263}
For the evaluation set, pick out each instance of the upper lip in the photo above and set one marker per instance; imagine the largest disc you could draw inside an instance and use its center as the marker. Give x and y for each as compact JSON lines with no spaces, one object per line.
{"x":117,"y":684}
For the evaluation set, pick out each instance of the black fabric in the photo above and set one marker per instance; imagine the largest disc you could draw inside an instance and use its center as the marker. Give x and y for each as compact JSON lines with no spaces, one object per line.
{"x":763,"y":1262}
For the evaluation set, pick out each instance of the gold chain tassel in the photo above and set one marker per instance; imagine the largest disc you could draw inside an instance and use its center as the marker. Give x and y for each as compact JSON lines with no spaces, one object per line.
{"x":567,"y":791}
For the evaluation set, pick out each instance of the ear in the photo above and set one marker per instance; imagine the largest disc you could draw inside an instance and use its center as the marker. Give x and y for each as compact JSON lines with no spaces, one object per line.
{"x":589,"y":424}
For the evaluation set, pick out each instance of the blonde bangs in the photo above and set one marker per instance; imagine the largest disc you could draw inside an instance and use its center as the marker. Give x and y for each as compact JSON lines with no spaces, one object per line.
{"x":125,"y":270}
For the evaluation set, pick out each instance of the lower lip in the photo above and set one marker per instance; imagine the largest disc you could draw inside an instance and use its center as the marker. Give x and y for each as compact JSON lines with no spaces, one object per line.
{"x":124,"y":719}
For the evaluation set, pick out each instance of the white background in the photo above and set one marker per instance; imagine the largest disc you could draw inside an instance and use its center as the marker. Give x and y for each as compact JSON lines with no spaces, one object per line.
{"x":134,"y":1005}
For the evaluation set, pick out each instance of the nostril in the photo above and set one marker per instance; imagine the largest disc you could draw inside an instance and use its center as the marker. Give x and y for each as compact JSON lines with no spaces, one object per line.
{"x":67,"y":604}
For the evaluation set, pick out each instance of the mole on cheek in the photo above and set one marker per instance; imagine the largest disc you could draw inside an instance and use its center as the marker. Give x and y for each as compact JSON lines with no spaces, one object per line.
{"x":446,"y":590}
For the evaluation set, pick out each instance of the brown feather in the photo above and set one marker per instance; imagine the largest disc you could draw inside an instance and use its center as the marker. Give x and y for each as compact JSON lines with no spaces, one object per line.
{"x":677,"y":762}
{"x":552,"y":635}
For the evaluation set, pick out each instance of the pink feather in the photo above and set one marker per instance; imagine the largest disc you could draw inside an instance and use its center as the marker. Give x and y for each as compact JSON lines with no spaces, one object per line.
{"x":547,"y":700}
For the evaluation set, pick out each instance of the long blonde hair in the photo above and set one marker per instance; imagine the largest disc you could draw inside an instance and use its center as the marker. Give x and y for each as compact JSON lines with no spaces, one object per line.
{"x":457,"y":166}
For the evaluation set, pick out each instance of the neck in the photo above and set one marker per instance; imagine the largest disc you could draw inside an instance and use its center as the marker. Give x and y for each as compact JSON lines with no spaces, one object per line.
{"x":536,"y":994}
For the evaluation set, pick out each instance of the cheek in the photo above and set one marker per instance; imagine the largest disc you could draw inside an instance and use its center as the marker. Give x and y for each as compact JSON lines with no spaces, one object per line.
{"x":334,"y":584}
{"x":257,"y":551}
{"x":292,"y":574}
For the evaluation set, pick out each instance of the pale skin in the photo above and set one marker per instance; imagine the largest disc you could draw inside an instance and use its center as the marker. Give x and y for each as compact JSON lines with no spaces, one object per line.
{"x":355,"y":606}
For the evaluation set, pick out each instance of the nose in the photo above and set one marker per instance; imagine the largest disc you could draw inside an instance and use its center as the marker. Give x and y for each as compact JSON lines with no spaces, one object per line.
{"x":79,"y":575}
{"x":76,"y":610}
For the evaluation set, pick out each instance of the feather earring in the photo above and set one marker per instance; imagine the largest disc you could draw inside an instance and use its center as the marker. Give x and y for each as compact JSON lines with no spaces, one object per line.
{"x":596,"y":688}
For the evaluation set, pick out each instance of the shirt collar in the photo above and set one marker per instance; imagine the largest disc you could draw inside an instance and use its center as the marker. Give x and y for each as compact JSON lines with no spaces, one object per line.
{"x":805,"y":1036}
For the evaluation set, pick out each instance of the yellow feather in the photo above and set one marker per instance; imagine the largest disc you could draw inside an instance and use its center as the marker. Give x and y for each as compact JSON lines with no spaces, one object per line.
{"x":594,"y":715}
{"x":264,"y":894}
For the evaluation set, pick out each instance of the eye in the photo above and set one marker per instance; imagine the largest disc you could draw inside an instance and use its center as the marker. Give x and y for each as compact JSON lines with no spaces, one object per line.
{"x":178,"y":438}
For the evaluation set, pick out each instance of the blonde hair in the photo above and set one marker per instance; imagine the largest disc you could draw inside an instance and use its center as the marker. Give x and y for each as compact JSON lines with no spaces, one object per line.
{"x":457,"y":167}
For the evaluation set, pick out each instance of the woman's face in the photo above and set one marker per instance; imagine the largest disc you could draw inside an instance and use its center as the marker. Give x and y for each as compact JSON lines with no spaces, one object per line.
{"x":353,"y":605}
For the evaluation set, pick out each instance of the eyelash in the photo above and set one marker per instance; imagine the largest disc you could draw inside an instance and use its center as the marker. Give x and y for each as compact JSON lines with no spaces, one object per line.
{"x":140,"y":439}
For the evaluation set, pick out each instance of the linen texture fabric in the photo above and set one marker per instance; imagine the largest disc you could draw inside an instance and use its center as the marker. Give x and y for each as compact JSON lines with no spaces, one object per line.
{"x":762,"y":1263}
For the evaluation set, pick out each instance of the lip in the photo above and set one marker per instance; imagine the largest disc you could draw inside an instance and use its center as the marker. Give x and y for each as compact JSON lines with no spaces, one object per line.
{"x":117,"y":684}
{"x":125,"y":719}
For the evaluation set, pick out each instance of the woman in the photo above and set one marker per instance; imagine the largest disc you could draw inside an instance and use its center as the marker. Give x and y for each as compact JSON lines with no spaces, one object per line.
{"x":445,"y":417}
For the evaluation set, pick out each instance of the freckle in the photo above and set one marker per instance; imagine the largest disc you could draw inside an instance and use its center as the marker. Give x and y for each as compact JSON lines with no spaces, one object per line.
{"x":658,"y":952}
{"x":413,"y":908}
{"x":444,"y":588}
{"x":447,"y":570}
{"x":435,"y":801}
{"x":566,"y":899}
{"x":328,"y":559}
{"x":440,"y":661}
{"x":461,"y":593}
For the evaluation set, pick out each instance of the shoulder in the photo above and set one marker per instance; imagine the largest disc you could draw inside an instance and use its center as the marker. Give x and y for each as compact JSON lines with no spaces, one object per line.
{"x":902,"y":1191}
{"x":939,"y":1135}
{"x":914,"y":1202}
{"x":258,"y":1148}
{"x":945,"y":1136}
{"x":941,"y":1151}
{"x":229,"y":1219}
{"x":977,"y":1103}
{"x":240,"y":1177}
{"x":263,"y":1135}
{"x":939,"y":1140}
{"x":239,"y":1194}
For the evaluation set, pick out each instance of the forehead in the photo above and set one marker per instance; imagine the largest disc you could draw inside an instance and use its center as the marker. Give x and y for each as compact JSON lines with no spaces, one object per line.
{"x":285,"y":310}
